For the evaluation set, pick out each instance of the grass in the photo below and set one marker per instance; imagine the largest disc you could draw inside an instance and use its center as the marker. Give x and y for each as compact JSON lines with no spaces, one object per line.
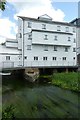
{"x":69,"y":80}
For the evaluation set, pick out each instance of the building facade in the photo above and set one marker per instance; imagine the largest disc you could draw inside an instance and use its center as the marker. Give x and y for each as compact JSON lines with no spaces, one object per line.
{"x":40,"y":42}
{"x":44,"y":42}
{"x":9,"y":54}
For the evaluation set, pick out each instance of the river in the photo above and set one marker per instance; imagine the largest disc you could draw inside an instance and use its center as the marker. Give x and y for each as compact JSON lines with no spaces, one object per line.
{"x":39,"y":100}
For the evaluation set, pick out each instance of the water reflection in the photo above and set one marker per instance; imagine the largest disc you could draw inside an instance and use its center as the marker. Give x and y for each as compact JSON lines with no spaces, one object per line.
{"x":39,"y":100}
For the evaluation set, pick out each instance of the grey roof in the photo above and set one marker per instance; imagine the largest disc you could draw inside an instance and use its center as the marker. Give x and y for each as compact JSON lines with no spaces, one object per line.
{"x":45,"y":21}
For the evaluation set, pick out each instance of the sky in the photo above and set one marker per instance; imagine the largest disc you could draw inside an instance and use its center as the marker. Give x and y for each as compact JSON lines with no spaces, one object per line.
{"x":59,"y":10}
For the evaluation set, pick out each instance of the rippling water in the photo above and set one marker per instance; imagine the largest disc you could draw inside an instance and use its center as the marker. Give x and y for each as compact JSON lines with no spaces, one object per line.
{"x":39,"y":100}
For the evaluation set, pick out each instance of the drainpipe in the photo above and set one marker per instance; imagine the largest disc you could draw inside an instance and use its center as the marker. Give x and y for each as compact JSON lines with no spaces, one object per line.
{"x":22,"y":42}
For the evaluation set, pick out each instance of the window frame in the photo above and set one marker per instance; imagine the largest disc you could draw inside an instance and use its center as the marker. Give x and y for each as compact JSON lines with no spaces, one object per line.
{"x":66,"y":49}
{"x":54,"y":58}
{"x":67,"y":29}
{"x":28,"y":47}
{"x":58,"y":28}
{"x":74,"y":49}
{"x":64,"y":58}
{"x":56,"y":37}
{"x":45,"y":37}
{"x":29,"y":36}
{"x":29,"y":24}
{"x":45,"y":48}
{"x":45,"y":58}
{"x":69,"y":38}
{"x":55,"y":48}
{"x":7,"y":57}
{"x":35,"y":58}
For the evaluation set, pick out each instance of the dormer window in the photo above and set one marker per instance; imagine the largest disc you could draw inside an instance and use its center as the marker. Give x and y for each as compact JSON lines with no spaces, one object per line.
{"x":43,"y":26}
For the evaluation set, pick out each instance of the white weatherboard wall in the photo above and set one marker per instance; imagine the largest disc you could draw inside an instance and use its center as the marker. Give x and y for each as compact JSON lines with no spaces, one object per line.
{"x":13,"y":55}
{"x":38,"y":43}
{"x":31,"y":49}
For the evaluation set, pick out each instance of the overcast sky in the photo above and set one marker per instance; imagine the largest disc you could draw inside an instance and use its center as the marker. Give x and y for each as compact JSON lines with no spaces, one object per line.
{"x":57,"y":9}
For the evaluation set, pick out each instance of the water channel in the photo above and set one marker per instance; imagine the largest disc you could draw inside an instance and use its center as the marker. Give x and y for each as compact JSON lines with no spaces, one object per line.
{"x":39,"y":100}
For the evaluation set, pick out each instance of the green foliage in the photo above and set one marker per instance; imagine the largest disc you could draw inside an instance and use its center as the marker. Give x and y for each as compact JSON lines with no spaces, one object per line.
{"x":2,"y":5}
{"x":8,"y":113}
{"x":66,"y":80}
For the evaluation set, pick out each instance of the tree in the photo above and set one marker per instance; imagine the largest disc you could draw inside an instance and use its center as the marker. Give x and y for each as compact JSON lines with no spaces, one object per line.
{"x":2,"y":5}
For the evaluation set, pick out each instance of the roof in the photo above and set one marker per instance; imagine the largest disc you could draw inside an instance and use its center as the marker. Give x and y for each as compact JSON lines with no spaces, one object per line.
{"x":76,"y":21}
{"x":46,"y":21}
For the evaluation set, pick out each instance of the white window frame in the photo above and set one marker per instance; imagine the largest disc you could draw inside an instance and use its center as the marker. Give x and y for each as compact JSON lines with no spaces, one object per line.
{"x":7,"y":57}
{"x":28,"y":47}
{"x":36,"y":58}
{"x":45,"y":48}
{"x":66,"y":49}
{"x":55,"y":37}
{"x":58,"y":28}
{"x":54,"y":58}
{"x":67,"y":29}
{"x":29,"y":36}
{"x":45,"y":37}
{"x":55,"y":48}
{"x":64,"y":58}
{"x":74,"y":49}
{"x":45,"y":58}
{"x":69,"y":38}
{"x":29,"y":24}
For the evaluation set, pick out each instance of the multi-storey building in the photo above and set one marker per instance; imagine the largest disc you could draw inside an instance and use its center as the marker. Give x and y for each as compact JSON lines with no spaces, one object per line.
{"x":41,"y":43}
{"x":44,"y":42}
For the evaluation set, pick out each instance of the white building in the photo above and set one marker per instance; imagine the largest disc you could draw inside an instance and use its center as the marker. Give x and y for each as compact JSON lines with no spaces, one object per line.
{"x":9,"y":54}
{"x":44,"y":42}
{"x":41,"y":43}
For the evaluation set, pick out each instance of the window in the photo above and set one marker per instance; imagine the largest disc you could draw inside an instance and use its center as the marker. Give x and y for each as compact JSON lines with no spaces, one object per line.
{"x":45,"y":48}
{"x":74,"y":40}
{"x":69,"y":39}
{"x":58,"y":28}
{"x":74,"y":49}
{"x":29,"y":24}
{"x":74,"y":30}
{"x":64,"y":58}
{"x":20,"y":35}
{"x":25,"y":57}
{"x":55,"y":48}
{"x":44,"y":58}
{"x":35,"y":58}
{"x":43,"y":26}
{"x":45,"y":37}
{"x":66,"y":49}
{"x":7,"y":57}
{"x":28,"y":47}
{"x":67,"y":29}
{"x":55,"y":37}
{"x":54,"y":58}
{"x":29,"y":36}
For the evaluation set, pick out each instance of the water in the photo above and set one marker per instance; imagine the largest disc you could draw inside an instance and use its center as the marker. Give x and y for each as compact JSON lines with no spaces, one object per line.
{"x":39,"y":100}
